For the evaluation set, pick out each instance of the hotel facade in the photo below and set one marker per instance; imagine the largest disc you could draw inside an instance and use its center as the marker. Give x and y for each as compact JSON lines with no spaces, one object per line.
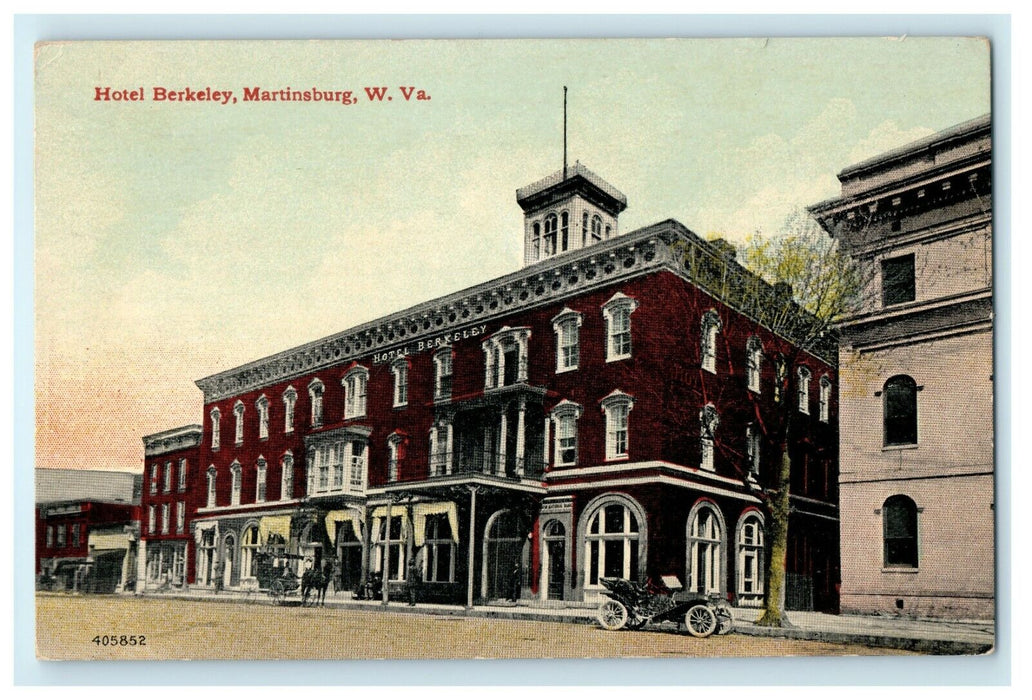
{"x":603,"y":411}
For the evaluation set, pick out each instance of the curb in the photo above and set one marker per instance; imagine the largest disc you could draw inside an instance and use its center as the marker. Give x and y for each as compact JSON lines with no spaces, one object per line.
{"x":943,"y":647}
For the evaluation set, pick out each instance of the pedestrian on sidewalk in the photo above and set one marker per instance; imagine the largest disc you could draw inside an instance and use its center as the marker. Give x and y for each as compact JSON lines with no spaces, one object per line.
{"x":415,"y":572}
{"x":517,"y":581}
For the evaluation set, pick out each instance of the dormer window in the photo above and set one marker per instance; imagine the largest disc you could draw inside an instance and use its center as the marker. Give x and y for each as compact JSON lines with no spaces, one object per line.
{"x":262,"y":405}
{"x":316,"y":389}
{"x":238,"y":413}
{"x":567,"y":340}
{"x":505,"y":357}
{"x":443,"y":374}
{"x":617,"y":315}
{"x":355,"y":382}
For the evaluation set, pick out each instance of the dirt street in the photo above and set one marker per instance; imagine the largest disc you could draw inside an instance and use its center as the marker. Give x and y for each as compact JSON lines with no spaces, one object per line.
{"x":67,"y":627}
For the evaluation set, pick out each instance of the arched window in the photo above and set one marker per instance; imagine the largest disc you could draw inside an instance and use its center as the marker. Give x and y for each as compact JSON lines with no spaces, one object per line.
{"x":753,"y":448}
{"x":235,"y":479}
{"x":551,"y":226}
{"x":316,"y":389}
{"x":803,"y":389}
{"x":535,"y":242}
{"x":617,"y":409}
{"x":443,"y":374}
{"x":505,"y":357}
{"x":289,"y":401}
{"x":584,"y":230}
{"x":612,"y":543}
{"x":394,"y":455}
{"x":596,"y":228}
{"x":825,"y":399}
{"x":238,"y":413}
{"x":399,"y":368}
{"x":780,"y":377}
{"x":753,"y":362}
{"x":287,"y":476}
{"x":708,"y":422}
{"x":710,"y":328}
{"x":211,"y":486}
{"x":262,"y":468}
{"x":355,"y":382}
{"x":262,"y":406}
{"x":567,"y":339}
{"x":617,"y":315}
{"x":564,"y":417}
{"x":216,"y":415}
{"x":248,"y":549}
{"x":705,"y":549}
{"x":900,"y":397}
{"x":899,"y":523}
{"x":564,"y":234}
{"x":750,"y":559}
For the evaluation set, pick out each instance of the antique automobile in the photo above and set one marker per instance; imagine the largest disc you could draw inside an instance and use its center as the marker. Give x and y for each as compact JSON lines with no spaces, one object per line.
{"x":631,"y":605}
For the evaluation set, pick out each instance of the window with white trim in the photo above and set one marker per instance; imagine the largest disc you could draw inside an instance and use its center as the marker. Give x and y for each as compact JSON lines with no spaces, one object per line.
{"x":180,"y":517}
{"x":596,"y":229}
{"x":439,"y":561}
{"x":505,"y":357}
{"x":355,"y":382}
{"x":316,"y":389}
{"x":612,"y":544}
{"x":440,"y":448}
{"x":710,"y":327}
{"x":152,"y":521}
{"x":50,"y":535}
{"x":780,"y":377}
{"x":564,"y":417}
{"x":753,"y":363}
{"x":166,"y":486}
{"x":535,"y":242}
{"x":164,"y":518}
{"x":287,"y":476}
{"x":617,"y":315}
{"x":567,"y":340}
{"x":337,"y":467}
{"x":443,"y":374}
{"x":211,"y":486}
{"x":262,"y":468}
{"x":389,"y":543}
{"x":238,"y":414}
{"x":181,"y":486}
{"x":154,"y":477}
{"x":753,"y":448}
{"x":705,"y":543}
{"x":62,"y":531}
{"x":262,"y":405}
{"x":708,"y":422}
{"x":617,"y":408}
{"x":803,"y":389}
{"x":289,"y":403}
{"x":399,"y":368}
{"x":750,"y":559}
{"x":394,"y":449}
{"x":551,"y":226}
{"x":235,"y":481}
{"x":564,"y":232}
{"x":825,"y":399}
{"x":216,"y":416}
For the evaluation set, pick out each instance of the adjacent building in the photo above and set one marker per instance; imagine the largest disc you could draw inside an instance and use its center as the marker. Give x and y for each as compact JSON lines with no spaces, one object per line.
{"x":603,"y":411}
{"x":86,"y":530}
{"x":916,"y":420}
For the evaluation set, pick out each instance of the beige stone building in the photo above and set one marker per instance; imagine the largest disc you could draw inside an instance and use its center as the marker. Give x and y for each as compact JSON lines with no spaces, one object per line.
{"x":916,"y":387}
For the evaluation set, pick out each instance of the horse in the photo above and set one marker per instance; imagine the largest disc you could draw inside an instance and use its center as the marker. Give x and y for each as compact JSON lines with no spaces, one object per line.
{"x":315,"y":581}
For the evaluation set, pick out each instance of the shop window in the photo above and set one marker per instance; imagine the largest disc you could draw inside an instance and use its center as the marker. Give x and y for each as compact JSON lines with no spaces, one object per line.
{"x":389,"y":548}
{"x":750,"y":559}
{"x":612,"y":543}
{"x":439,"y":559}
{"x":705,"y":547}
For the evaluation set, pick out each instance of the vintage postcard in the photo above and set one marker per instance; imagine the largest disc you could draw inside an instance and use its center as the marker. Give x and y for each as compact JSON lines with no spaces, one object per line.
{"x":514,"y":348}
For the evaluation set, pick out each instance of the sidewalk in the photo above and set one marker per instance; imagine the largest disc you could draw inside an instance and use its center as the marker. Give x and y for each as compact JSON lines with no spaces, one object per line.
{"x":948,"y":637}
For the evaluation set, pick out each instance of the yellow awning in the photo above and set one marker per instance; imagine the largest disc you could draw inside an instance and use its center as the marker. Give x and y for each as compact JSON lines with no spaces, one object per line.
{"x":112,"y":540}
{"x":274,"y":525}
{"x":421,"y":510}
{"x":397,"y":511}
{"x":343,"y":516}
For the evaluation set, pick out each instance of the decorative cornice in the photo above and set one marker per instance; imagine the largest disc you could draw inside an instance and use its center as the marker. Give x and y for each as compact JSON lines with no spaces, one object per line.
{"x":172,"y":440}
{"x":667,"y":245}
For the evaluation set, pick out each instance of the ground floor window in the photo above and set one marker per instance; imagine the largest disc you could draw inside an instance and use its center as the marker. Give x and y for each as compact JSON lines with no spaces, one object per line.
{"x":439,"y":560}
{"x":206,"y":558}
{"x":705,"y":549}
{"x":899,"y":515}
{"x":612,"y":544}
{"x":389,"y":546}
{"x":750,"y":557}
{"x":248,"y":550}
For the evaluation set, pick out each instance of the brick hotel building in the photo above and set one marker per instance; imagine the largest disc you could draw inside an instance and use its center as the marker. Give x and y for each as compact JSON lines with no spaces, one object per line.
{"x":600,"y":412}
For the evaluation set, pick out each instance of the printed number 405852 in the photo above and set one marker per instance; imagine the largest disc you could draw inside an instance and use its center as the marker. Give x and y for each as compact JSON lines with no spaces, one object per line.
{"x":120,"y":640}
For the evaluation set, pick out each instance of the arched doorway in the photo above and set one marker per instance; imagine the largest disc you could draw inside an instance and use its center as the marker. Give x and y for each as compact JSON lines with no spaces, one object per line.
{"x":553,"y":565}
{"x":705,"y":552}
{"x":503,"y":555}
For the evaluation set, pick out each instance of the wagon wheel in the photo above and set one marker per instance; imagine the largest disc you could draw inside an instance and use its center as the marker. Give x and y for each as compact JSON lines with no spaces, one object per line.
{"x":700,"y":620}
{"x":277,"y":591}
{"x":612,"y":614}
{"x":636,"y":623}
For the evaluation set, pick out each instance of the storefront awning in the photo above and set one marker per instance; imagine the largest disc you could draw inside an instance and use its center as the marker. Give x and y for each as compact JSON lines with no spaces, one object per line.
{"x":335,"y":517}
{"x":274,"y":525}
{"x":421,"y":510}
{"x":108,"y":540}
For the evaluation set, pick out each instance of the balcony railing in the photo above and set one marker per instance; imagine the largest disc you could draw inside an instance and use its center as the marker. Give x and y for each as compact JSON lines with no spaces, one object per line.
{"x":476,"y":462}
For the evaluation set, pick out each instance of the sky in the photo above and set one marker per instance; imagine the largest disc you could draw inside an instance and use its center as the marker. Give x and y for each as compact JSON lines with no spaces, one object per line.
{"x":175,"y":240}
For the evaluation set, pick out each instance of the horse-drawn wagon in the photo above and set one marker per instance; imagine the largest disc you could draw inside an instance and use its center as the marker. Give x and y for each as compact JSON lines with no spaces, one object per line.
{"x":275,"y":574}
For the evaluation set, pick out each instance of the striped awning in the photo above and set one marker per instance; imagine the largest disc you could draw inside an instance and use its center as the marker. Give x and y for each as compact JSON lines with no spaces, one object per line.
{"x":274,"y":525}
{"x":108,"y":540}
{"x":340,"y":517}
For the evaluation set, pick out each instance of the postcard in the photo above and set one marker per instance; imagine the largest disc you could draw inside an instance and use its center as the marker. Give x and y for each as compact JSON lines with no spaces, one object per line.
{"x":514,"y":348}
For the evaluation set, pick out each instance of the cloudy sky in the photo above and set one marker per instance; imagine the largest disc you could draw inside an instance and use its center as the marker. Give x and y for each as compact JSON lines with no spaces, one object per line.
{"x":177,"y":240}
